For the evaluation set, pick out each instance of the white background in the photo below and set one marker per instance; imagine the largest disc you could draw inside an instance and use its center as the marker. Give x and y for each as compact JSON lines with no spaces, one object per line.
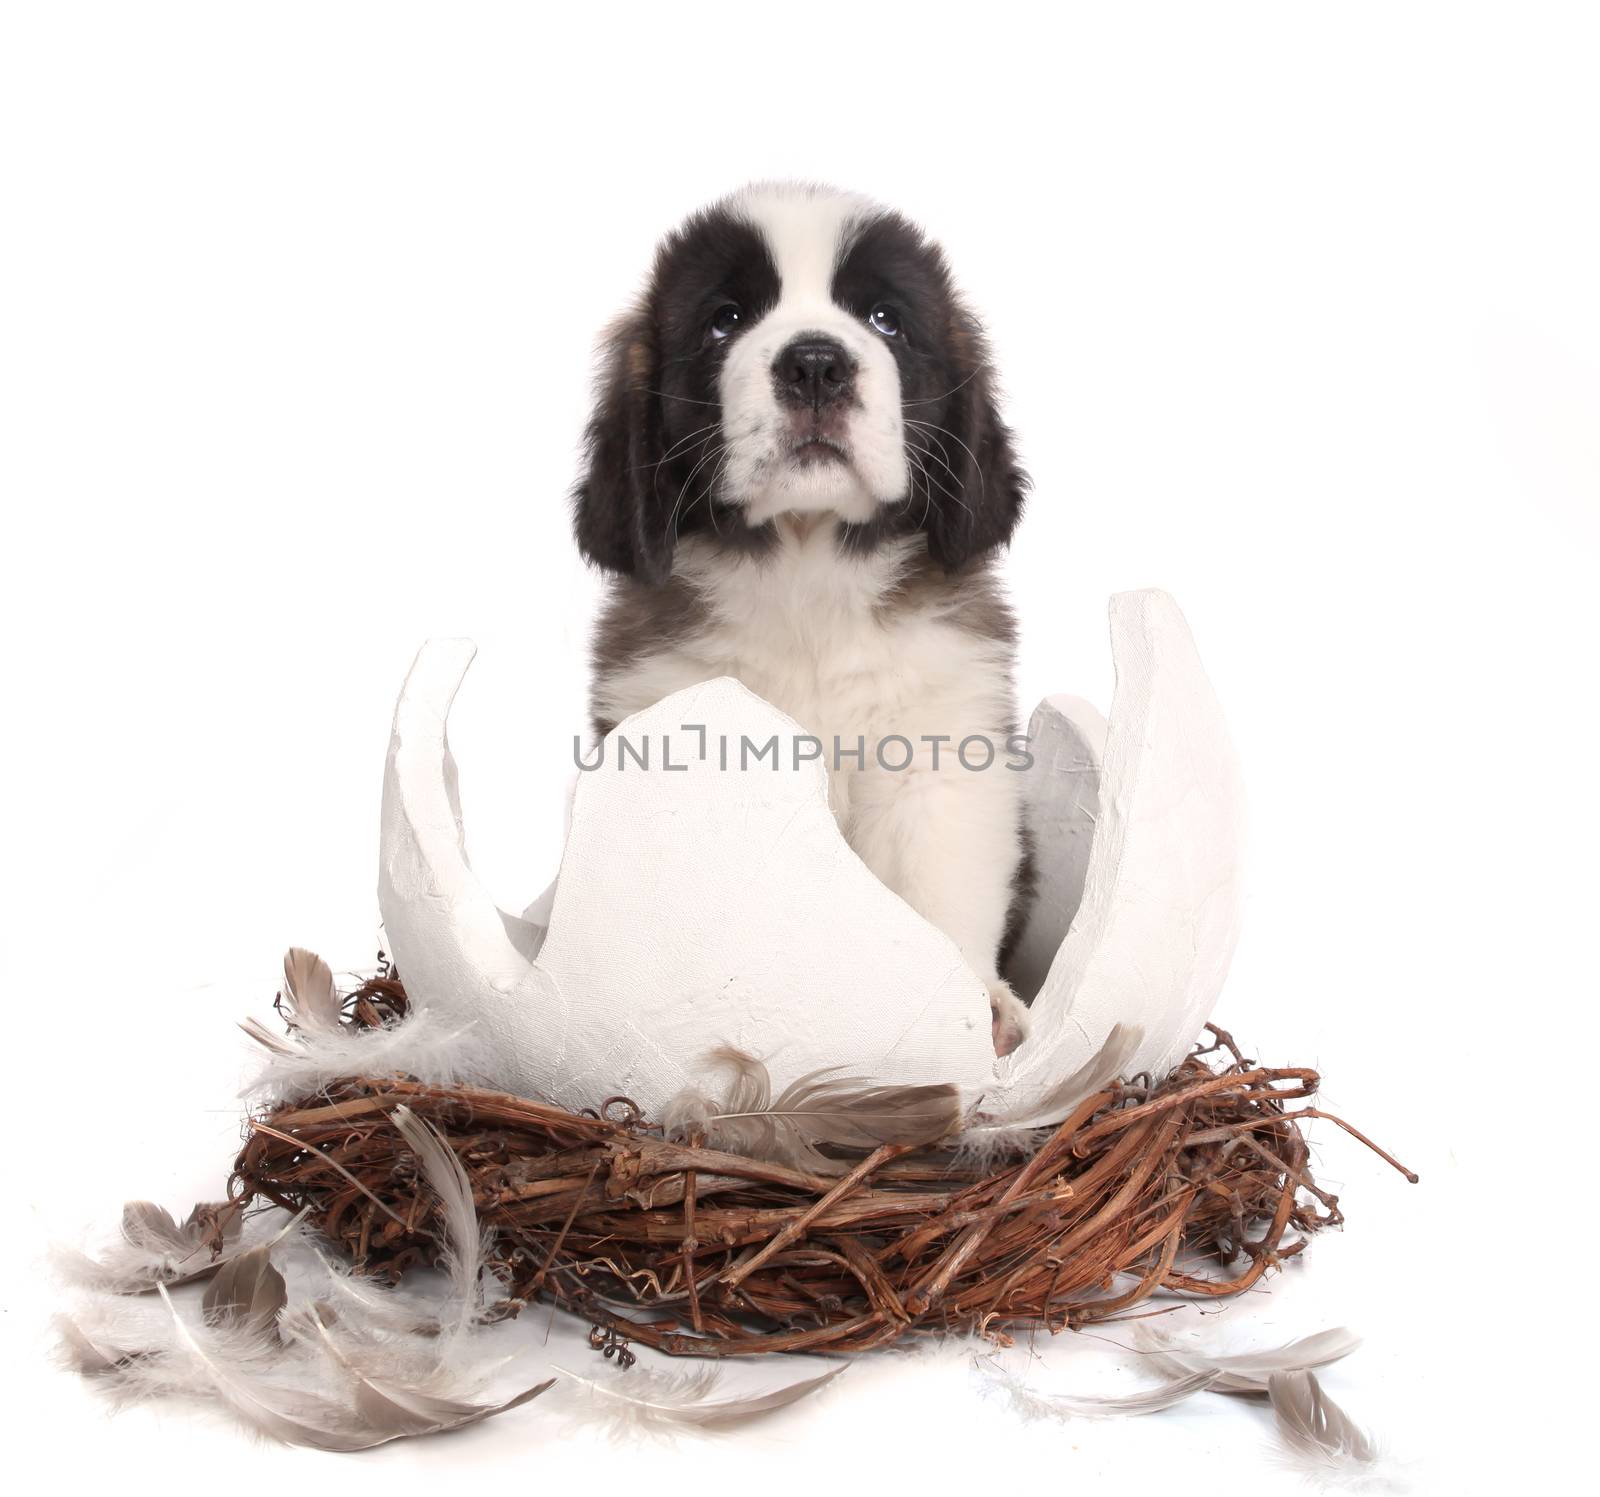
{"x":1299,"y":314}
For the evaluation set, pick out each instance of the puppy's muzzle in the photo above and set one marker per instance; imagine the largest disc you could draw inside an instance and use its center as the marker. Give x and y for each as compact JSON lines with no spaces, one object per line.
{"x":812,"y":373}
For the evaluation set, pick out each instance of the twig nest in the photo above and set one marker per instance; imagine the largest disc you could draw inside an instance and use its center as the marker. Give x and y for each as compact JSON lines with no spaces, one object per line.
{"x":716,"y":902}
{"x":1200,"y":1185}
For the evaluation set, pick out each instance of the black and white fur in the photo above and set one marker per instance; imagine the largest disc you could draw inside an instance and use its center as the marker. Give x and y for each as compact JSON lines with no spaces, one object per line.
{"x":798,"y":477}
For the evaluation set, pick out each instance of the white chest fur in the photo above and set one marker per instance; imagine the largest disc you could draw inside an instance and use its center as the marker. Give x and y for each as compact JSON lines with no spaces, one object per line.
{"x":834,"y":642}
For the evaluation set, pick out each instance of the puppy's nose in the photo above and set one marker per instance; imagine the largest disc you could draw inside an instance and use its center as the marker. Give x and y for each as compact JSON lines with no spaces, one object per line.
{"x":813,"y":372}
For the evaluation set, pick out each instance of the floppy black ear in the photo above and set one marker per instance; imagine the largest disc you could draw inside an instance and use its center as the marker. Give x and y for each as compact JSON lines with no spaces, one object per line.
{"x":618,"y":516}
{"x":991,"y":483}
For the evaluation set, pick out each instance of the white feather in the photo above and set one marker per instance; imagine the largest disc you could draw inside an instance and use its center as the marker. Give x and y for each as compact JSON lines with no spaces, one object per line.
{"x":639,"y":1399}
{"x":1033,"y":1403}
{"x":422,"y":1045}
{"x":464,"y":1243}
{"x":356,"y":1298}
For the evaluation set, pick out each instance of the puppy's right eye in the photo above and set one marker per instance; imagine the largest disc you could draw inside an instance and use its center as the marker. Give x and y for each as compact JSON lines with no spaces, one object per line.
{"x":724,"y":322}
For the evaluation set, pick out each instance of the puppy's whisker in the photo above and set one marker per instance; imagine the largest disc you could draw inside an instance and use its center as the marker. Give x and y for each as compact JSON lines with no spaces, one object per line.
{"x":707,"y":457}
{"x":958,"y":494}
{"x":655,"y":479}
{"x":680,"y":509}
{"x":927,"y":434}
{"x":684,"y":441}
{"x":709,"y":493}
{"x":914,"y":463}
{"x":934,"y":399}
{"x":715,"y":452}
{"x":720,"y":469}
{"x":977,"y":467}
{"x":943,"y":487}
{"x":677,"y":503}
{"x":708,"y":490}
{"x":926,"y":444}
{"x":686,"y":399}
{"x":927,"y":487}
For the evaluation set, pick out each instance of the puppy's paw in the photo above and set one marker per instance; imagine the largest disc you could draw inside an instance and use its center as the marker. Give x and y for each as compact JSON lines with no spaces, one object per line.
{"x":1010,"y":1017}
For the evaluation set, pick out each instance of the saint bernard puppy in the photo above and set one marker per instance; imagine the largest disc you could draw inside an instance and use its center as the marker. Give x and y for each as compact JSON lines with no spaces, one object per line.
{"x":797,"y":476}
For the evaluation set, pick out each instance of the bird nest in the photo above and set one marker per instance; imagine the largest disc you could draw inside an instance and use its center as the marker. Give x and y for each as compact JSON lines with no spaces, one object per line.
{"x":1196,"y":1184}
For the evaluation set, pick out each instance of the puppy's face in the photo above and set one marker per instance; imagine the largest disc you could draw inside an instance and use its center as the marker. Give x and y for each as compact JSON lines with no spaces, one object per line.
{"x":806,"y":374}
{"x":798,"y":351}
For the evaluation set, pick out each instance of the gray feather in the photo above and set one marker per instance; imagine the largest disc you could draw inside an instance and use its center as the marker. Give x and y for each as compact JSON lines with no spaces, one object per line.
{"x":296,"y":1420}
{"x":155,"y":1250}
{"x":308,"y":992}
{"x":87,"y":1354}
{"x":384,"y":1403}
{"x":321,"y":1047}
{"x":820,"y":1107}
{"x":151,"y":1229}
{"x":267,"y":1039}
{"x":1313,"y":1426}
{"x":377,"y":1373}
{"x":247,"y":1293}
{"x":1247,"y":1372}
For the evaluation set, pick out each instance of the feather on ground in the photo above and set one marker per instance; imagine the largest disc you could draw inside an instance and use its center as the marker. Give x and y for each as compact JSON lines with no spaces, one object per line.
{"x":1314,"y":1427}
{"x":1034,"y":1403}
{"x":640,"y":1399}
{"x":154,"y":1249}
{"x":289,"y":1365}
{"x":1247,"y":1372}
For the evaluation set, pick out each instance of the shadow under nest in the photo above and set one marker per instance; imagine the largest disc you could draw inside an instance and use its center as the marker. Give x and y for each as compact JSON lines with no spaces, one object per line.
{"x":1195,"y":1185}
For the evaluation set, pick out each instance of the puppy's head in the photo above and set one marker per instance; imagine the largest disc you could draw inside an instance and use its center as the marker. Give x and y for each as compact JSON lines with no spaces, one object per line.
{"x":797,"y":351}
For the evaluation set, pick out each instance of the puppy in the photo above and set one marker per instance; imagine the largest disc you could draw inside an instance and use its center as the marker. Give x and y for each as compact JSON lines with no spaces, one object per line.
{"x":797,"y":476}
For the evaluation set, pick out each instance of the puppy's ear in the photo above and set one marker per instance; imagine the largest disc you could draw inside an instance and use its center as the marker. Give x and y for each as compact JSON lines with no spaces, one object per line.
{"x":989,"y":480}
{"x":619,"y":519}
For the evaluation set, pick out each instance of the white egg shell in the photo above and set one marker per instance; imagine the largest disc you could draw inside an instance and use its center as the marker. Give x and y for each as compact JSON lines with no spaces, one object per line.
{"x":709,"y":905}
{"x":1151,"y":939}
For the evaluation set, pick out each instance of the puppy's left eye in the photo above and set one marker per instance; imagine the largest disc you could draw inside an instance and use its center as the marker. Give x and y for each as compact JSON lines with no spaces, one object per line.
{"x":885,"y":320}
